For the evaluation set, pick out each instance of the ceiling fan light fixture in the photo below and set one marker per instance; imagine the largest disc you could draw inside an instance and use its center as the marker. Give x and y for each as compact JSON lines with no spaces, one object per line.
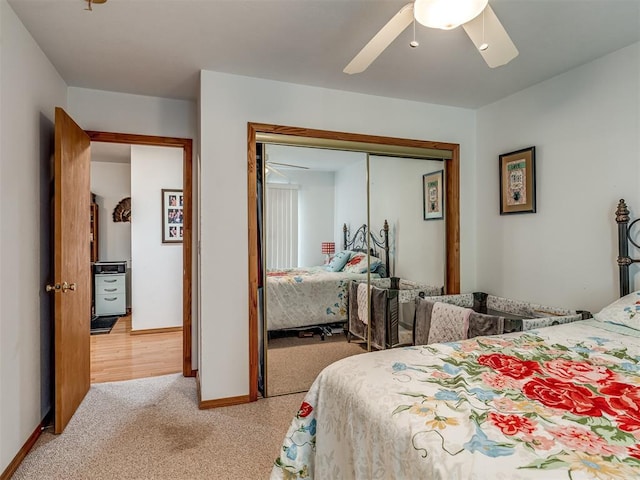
{"x":447,"y":14}
{"x":89,"y":2}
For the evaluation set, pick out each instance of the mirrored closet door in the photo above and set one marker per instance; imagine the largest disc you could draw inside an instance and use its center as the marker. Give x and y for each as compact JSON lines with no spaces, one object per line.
{"x":369,"y":216}
{"x":310,"y":194}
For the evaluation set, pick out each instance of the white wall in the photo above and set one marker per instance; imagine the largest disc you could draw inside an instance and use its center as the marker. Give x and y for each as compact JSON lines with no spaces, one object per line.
{"x":585,"y":125}
{"x":30,"y":89}
{"x":126,"y":113}
{"x":351,"y":198}
{"x":156,"y":267}
{"x":111,"y":182}
{"x":228,"y":102}
{"x":417,"y":247}
{"x":315,"y":214}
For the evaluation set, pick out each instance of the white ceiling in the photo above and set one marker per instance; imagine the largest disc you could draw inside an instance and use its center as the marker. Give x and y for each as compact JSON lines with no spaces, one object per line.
{"x":318,"y":159}
{"x":110,"y":152}
{"x":157,"y":47}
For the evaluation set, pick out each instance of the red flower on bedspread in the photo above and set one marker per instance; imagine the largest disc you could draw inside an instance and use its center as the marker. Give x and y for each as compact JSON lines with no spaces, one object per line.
{"x":566,"y":396}
{"x":278,"y":273}
{"x":512,"y":424}
{"x":305,"y":410}
{"x":634,"y":451}
{"x":625,"y":399}
{"x":580,"y":372}
{"x":510,"y":366}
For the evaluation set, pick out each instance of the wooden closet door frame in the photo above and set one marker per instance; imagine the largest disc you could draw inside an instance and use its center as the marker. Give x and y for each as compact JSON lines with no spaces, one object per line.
{"x":452,"y":215}
{"x":187,"y":260}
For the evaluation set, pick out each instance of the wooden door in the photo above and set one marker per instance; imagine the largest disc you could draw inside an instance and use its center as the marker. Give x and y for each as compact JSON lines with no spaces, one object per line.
{"x":72,"y":268}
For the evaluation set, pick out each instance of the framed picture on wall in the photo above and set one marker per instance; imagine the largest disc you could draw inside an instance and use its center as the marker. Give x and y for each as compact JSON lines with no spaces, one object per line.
{"x":172,"y":216}
{"x":518,"y":181}
{"x":432,"y":194}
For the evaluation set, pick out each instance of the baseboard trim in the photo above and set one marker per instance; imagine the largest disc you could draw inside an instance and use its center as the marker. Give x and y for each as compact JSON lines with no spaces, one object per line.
{"x":156,"y":330}
{"x":223,"y":402}
{"x":219,"y":402}
{"x":22,"y":453}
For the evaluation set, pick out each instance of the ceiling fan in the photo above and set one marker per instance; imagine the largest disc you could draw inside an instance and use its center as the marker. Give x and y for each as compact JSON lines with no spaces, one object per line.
{"x":476,"y":17}
{"x":269,"y":168}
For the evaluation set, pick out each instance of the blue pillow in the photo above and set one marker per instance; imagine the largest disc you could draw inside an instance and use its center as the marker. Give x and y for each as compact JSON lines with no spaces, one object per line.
{"x":338,"y":261}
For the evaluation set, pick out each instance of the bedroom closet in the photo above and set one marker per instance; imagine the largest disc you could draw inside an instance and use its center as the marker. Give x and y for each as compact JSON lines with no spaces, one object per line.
{"x":326,"y":190}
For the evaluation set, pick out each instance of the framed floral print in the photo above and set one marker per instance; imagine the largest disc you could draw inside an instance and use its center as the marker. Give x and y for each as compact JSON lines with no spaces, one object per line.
{"x":433,"y":198}
{"x":518,"y":181}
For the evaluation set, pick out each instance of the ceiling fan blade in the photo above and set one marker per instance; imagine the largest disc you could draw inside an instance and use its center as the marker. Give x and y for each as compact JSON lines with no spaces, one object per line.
{"x":486,"y":28}
{"x":270,"y":170}
{"x":288,"y":165}
{"x":381,"y":40}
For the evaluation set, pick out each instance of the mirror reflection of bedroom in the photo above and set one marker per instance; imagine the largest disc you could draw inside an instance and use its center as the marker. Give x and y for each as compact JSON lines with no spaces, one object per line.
{"x":318,"y":205}
{"x":136,"y":325}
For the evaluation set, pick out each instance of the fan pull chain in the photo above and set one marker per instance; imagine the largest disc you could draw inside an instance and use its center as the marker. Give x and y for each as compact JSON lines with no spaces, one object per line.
{"x":414,"y":43}
{"x":484,"y":45}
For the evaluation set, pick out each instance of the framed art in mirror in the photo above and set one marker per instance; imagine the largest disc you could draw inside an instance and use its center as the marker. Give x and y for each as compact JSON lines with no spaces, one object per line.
{"x":518,"y":181}
{"x":172,"y":216}
{"x":433,"y":198}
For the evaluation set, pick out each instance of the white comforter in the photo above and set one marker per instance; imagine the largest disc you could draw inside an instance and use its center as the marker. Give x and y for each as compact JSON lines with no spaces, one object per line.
{"x":561,"y":402}
{"x":303,"y":297}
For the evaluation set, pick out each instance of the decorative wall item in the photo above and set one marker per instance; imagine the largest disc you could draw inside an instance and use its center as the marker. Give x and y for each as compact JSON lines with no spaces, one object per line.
{"x":122,"y":212}
{"x":172,"y":216}
{"x":518,"y":181}
{"x":433,"y":198}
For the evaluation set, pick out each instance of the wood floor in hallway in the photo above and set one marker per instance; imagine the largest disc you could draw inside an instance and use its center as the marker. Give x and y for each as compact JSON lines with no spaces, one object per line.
{"x":119,"y":355}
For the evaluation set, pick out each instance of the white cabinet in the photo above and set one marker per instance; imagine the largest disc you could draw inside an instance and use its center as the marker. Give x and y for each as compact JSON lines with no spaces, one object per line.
{"x":110,"y":294}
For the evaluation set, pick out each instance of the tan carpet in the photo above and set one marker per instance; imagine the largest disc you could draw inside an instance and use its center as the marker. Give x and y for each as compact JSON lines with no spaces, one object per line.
{"x":152,"y":429}
{"x":294,"y":363}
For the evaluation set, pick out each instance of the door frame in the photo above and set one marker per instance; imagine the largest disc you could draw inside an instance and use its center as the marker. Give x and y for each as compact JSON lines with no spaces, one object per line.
{"x":452,"y":215}
{"x":187,"y":244}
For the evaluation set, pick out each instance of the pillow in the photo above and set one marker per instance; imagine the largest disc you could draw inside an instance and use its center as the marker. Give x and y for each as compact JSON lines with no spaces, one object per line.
{"x":358,"y":263}
{"x":338,"y":261}
{"x":624,"y":311}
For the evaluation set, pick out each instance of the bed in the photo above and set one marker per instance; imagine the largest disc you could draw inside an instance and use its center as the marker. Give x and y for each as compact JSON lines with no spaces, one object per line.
{"x":559,"y":402}
{"x":315,"y":296}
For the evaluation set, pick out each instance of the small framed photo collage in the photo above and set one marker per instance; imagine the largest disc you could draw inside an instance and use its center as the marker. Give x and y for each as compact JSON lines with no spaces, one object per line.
{"x":172,"y":216}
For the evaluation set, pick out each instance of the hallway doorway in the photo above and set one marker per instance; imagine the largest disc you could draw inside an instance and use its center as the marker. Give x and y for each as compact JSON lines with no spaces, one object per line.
{"x":122,"y":329}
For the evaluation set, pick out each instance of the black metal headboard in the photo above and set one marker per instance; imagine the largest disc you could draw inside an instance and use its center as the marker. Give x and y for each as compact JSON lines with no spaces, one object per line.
{"x":358,"y":242}
{"x":624,"y":238}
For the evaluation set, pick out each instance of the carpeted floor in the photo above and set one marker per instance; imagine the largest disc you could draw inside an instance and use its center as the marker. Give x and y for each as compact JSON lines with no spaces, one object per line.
{"x":294,"y":363}
{"x":151,"y":428}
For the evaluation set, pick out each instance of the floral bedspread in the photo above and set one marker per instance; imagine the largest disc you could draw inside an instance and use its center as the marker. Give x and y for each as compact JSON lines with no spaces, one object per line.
{"x":556,"y":403}
{"x":305,"y":297}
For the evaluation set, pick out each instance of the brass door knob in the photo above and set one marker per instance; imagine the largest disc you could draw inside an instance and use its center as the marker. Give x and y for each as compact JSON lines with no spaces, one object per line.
{"x":68,"y":286}
{"x":52,"y":288}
